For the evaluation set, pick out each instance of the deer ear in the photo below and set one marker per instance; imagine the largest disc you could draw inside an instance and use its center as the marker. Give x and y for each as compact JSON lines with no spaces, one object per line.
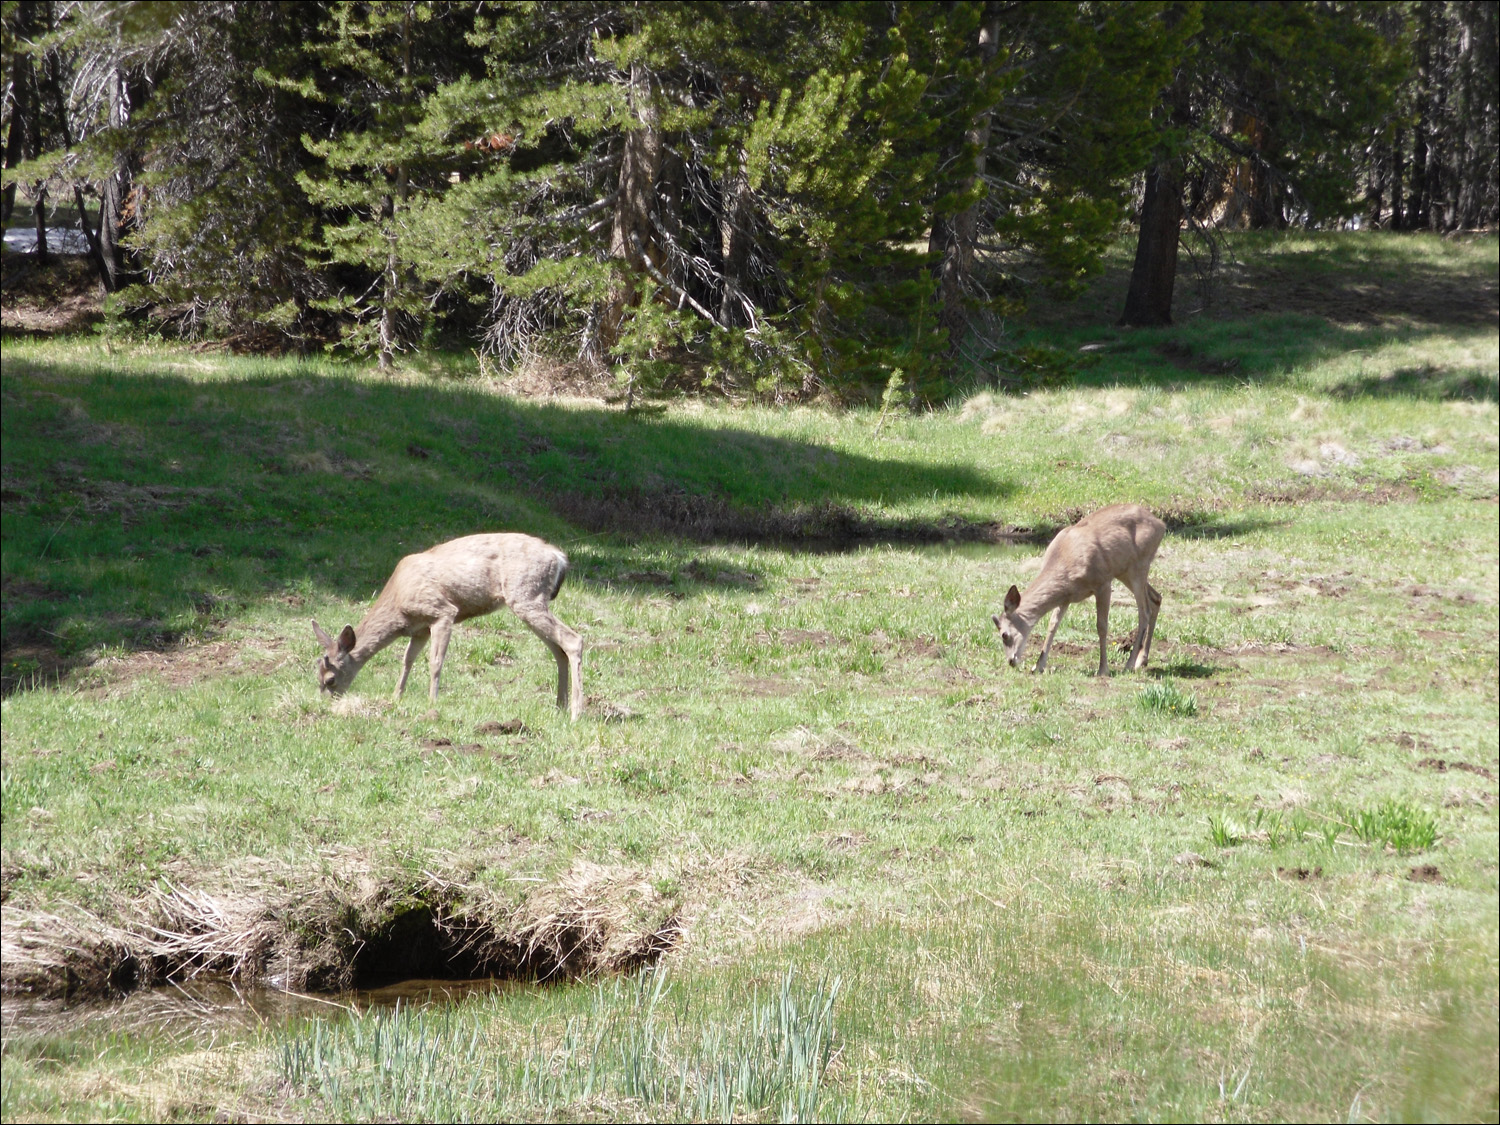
{"x":323,"y":638}
{"x":996,"y":620}
{"x":1012,"y":600}
{"x":346,"y":638}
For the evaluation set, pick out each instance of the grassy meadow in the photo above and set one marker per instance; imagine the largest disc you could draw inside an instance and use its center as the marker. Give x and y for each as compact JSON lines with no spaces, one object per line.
{"x":814,"y":852}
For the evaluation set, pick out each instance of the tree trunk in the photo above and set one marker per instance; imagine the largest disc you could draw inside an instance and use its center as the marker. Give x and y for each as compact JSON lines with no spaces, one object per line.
{"x":734,"y":247}
{"x":39,"y":214}
{"x":954,"y":238}
{"x":1375,"y":184}
{"x":90,"y":232}
{"x":1398,"y":172}
{"x":116,"y":208}
{"x":21,"y":106}
{"x":1148,"y":304}
{"x":1416,"y":196}
{"x":390,"y":289}
{"x":389,"y":279}
{"x":631,"y":240}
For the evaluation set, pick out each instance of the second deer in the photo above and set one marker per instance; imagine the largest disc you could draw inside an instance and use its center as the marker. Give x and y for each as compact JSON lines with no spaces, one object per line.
{"x":1083,"y":562}
{"x":431,"y":592}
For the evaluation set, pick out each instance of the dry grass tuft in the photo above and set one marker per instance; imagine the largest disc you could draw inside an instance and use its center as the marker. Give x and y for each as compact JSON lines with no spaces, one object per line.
{"x":595,"y":919}
{"x":335,"y":933}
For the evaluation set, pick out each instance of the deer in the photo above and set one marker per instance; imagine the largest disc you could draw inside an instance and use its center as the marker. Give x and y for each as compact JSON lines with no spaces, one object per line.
{"x":1084,"y":561}
{"x":430,"y":592}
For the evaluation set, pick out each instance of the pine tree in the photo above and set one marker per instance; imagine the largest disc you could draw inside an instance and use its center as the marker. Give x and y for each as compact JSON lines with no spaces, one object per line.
{"x":1263,"y":114}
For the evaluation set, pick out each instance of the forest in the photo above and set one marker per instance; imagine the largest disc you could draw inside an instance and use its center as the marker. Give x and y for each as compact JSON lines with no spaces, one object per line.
{"x":773,"y":200}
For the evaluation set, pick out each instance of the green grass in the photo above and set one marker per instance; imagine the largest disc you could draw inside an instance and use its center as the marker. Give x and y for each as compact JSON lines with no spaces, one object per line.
{"x":1168,"y":699}
{"x":810,"y":753}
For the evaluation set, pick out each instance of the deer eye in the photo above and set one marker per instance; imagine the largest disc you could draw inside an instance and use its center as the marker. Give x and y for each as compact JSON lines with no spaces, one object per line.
{"x":1005,"y":638}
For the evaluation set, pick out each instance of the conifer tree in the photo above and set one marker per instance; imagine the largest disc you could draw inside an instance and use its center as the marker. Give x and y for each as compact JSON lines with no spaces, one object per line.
{"x":1279,"y":91}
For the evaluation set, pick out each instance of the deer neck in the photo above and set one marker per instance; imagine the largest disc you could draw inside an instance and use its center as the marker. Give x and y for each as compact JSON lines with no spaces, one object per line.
{"x":1041,"y":598}
{"x":382,"y":625}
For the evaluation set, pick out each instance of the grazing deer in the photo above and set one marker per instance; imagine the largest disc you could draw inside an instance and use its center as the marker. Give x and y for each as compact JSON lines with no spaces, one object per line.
{"x":1084,"y":560}
{"x":431,"y":592}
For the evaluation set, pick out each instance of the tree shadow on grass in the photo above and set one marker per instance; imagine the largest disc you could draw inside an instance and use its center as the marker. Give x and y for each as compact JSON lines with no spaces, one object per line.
{"x":1195,"y":523}
{"x":1184,"y":523}
{"x":1429,"y":382}
{"x":143,"y":509}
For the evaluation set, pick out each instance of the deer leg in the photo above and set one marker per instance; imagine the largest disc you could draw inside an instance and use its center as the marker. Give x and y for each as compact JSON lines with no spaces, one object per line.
{"x":1101,"y":619}
{"x":567,"y":649}
{"x":414,"y":647}
{"x":1145,"y":622}
{"x":1153,"y":598}
{"x":1041,"y":664}
{"x":442,"y":629}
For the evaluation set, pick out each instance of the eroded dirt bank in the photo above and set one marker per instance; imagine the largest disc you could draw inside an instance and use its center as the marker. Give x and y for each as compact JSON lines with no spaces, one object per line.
{"x":338,"y":932}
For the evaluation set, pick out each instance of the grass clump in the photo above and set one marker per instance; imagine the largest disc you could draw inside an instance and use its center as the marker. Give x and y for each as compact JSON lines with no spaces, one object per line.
{"x":1166,"y":698}
{"x":1396,"y":824}
{"x":1222,"y":833}
{"x":634,"y":1045}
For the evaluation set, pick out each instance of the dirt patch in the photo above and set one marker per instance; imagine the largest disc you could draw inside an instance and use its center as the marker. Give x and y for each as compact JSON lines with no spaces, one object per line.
{"x":1439,"y":765}
{"x":341,"y":933}
{"x":182,"y":665}
{"x":816,"y":638}
{"x":770,"y":687}
{"x":839,"y":750}
{"x":542,"y":377}
{"x":922,"y":646}
{"x":825,"y":526}
{"x":1426,"y":873}
{"x":1193,"y":859}
{"x":509,"y":726}
{"x":846,"y":841}
{"x":1375,"y":492}
{"x":27,"y":661}
{"x":1299,"y":874}
{"x":1182,"y":355}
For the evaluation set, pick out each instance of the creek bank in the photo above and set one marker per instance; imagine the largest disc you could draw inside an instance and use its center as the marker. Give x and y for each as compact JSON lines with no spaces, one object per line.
{"x":333,"y":934}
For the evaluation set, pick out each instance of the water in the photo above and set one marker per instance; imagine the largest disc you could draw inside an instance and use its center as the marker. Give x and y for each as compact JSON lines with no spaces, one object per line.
{"x":60,"y":240}
{"x":200,"y":1008}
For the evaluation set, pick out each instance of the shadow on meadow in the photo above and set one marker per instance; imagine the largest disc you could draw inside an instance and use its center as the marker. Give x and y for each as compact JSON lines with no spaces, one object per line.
{"x":142,"y":509}
{"x":1265,"y":351}
{"x":1280,"y":303}
{"x":1430,"y":381}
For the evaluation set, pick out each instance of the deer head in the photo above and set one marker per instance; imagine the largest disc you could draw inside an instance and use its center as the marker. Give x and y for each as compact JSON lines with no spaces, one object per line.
{"x":336,"y":667}
{"x":1013,"y":631}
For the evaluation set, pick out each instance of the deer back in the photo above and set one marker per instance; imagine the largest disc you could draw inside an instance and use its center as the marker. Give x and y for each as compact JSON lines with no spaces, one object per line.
{"x":476,"y":575}
{"x":1102,"y":546}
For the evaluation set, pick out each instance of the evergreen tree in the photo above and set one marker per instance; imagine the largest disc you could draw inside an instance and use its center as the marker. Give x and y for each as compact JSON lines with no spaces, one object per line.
{"x":1434,"y":160}
{"x":377,"y":62}
{"x":1263,"y":114}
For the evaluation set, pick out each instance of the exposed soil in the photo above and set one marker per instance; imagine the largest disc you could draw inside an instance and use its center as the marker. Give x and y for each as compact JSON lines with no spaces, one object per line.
{"x":508,"y":726}
{"x":1439,"y":765}
{"x":1299,"y":874}
{"x":829,"y":526}
{"x":1426,"y":873}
